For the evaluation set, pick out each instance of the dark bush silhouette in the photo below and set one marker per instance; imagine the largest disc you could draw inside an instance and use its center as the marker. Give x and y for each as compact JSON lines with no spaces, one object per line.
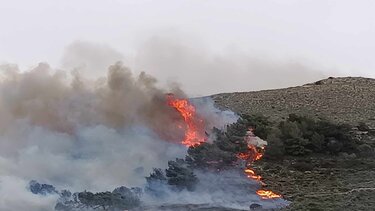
{"x":122,"y":198}
{"x":275,"y":149}
{"x":215,"y":156}
{"x":42,"y":189}
{"x":261,"y":124}
{"x":178,"y":176}
{"x":302,"y":135}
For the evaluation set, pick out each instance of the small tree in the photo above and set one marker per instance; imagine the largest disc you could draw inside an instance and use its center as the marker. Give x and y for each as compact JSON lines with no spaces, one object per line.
{"x":180,"y":176}
{"x":155,"y":183}
{"x":261,"y":124}
{"x":125,"y":198}
{"x":211,"y":156}
{"x":87,"y":199}
{"x":275,"y":146}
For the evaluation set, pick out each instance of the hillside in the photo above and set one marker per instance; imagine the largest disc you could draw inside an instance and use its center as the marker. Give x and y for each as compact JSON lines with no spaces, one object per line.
{"x":325,"y":181}
{"x":348,"y":100}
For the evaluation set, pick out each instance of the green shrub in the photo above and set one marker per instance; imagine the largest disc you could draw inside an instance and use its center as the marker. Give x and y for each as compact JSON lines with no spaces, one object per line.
{"x":302,"y":135}
{"x":261,"y":124}
{"x":275,"y":148}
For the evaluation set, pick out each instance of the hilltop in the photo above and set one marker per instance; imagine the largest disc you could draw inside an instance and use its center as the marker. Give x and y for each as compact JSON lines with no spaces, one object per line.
{"x":345,"y":100}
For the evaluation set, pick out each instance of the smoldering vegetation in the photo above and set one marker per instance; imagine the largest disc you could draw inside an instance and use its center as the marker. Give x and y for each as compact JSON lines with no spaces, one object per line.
{"x":211,"y":175}
{"x":80,"y":134}
{"x":62,"y":129}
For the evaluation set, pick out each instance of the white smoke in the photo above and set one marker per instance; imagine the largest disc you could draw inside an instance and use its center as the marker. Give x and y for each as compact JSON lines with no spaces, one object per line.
{"x":14,"y":196}
{"x":214,"y":116}
{"x":91,"y":59}
{"x":79,"y":135}
{"x":82,"y":134}
{"x":225,"y":189}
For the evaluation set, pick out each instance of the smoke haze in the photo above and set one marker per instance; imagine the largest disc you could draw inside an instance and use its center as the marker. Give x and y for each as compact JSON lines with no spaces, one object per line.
{"x":81,"y":134}
{"x":201,"y":45}
{"x":197,"y":70}
{"x":92,"y":114}
{"x":202,"y":72}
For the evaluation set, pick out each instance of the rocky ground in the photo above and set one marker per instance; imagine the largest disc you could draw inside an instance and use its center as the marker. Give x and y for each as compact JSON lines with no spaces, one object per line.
{"x":320,"y":182}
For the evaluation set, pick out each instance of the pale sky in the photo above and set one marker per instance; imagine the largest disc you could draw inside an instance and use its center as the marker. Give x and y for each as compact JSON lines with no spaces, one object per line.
{"x":207,"y":46}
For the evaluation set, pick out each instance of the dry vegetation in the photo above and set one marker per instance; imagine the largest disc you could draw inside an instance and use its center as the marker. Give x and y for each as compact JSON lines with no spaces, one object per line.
{"x":349,"y":100}
{"x":318,"y":181}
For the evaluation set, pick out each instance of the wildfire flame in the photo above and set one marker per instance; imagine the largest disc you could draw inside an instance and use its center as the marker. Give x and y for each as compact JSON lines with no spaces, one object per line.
{"x":267,"y":194}
{"x":194,"y":135}
{"x":255,"y":153}
{"x":194,"y":130}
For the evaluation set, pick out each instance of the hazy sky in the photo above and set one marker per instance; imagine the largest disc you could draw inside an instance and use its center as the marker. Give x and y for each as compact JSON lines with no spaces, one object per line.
{"x":207,"y":46}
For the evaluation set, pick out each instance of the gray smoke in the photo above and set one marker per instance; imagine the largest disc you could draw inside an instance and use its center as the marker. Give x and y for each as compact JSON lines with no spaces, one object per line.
{"x":80,"y":134}
{"x":206,"y":72}
{"x":225,"y":189}
{"x":91,"y":59}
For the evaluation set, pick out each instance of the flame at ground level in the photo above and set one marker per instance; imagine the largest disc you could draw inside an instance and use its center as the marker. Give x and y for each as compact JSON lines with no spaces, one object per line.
{"x":194,"y":128}
{"x":194,"y":135}
{"x":267,"y":194}
{"x":256,"y":153}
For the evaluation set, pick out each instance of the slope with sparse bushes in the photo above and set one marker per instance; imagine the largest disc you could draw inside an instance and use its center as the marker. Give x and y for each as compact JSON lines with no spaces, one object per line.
{"x":321,"y":140}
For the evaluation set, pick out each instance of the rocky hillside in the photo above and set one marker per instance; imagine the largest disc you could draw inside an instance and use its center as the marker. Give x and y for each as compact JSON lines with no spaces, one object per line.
{"x":348,"y":100}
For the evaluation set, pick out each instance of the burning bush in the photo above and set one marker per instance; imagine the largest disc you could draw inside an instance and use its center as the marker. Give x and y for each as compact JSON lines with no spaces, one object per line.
{"x":261,"y":124}
{"x":224,"y":150}
{"x":228,"y":147}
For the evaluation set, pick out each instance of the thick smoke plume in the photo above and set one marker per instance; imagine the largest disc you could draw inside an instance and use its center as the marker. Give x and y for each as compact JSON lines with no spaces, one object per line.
{"x":49,"y":100}
{"x":64,"y":129}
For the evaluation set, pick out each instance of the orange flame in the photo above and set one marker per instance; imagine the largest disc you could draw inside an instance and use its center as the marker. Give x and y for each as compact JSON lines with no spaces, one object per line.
{"x":252,"y":154}
{"x":194,"y":132}
{"x":267,"y":194}
{"x":255,"y":153}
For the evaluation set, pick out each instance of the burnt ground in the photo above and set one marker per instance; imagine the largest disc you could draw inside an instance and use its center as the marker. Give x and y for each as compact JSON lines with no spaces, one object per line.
{"x":320,"y":182}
